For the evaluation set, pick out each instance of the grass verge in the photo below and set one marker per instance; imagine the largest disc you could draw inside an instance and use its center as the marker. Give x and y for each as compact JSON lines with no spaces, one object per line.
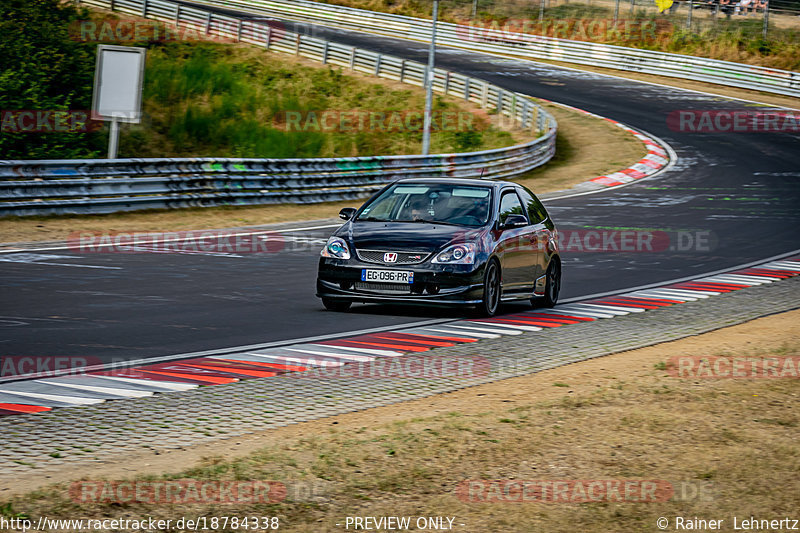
{"x":616,"y":417}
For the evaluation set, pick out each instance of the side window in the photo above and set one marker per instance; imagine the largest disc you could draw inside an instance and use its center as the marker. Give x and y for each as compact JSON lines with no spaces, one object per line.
{"x":536,"y":211}
{"x":510,"y":205}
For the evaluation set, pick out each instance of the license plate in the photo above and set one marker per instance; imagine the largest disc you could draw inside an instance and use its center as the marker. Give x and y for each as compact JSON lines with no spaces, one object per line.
{"x":387,"y":276}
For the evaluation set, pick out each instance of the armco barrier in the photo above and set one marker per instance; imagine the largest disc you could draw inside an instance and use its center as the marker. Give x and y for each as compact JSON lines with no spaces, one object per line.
{"x":529,"y":46}
{"x":104,"y":186}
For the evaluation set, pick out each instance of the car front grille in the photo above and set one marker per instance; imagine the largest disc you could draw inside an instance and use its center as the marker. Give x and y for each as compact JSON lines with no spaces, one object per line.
{"x":403,"y":258}
{"x":383,"y":288}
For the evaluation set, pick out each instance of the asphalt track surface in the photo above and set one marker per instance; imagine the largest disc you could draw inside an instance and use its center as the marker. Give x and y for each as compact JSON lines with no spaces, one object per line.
{"x":738,"y":192}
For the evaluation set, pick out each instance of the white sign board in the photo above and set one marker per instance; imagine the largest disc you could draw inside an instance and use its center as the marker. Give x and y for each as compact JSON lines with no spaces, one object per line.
{"x":118,"y":83}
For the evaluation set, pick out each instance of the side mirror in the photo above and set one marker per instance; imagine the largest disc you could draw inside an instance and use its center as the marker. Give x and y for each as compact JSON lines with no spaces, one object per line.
{"x":347,"y":213}
{"x":514,"y":221}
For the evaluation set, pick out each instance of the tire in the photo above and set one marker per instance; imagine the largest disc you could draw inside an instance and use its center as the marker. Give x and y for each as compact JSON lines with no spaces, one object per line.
{"x":491,"y":290}
{"x":336,"y":305}
{"x":552,"y":286}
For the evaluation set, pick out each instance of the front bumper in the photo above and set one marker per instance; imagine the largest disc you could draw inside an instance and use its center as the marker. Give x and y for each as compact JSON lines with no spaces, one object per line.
{"x":433,"y":284}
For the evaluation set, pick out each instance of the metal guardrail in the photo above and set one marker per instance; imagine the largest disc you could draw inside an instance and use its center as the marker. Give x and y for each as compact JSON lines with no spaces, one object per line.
{"x":482,"y":39}
{"x":104,"y":186}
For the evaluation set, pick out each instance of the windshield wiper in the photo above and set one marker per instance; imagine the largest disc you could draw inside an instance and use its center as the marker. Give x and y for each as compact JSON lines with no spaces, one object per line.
{"x":424,"y":221}
{"x":372,"y":219}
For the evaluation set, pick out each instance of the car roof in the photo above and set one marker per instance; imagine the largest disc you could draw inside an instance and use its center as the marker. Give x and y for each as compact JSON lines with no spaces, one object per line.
{"x":458,"y":181}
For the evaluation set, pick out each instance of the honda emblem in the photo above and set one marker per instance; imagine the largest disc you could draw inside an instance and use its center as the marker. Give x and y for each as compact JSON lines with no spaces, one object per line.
{"x":390,"y":257}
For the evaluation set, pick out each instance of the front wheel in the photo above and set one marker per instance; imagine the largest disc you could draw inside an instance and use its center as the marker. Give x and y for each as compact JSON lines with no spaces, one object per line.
{"x":336,"y":305}
{"x":491,"y":290}
{"x":552,"y":286}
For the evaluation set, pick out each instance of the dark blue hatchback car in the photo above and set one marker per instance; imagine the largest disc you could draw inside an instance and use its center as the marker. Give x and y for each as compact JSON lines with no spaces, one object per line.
{"x":466,"y":242}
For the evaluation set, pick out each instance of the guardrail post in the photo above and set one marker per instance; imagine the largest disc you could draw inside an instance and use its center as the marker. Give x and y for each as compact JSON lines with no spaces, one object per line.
{"x":144,"y":9}
{"x":402,"y":70}
{"x":466,"y":89}
{"x":500,"y":95}
{"x":446,"y":82}
{"x":513,"y":107}
{"x":535,"y":119}
{"x":239,"y":31}
{"x":353,"y":58}
{"x":484,"y":94}
{"x":208,"y":23}
{"x":297,"y":44}
{"x":526,"y":110}
{"x":325,"y":54}
{"x":269,"y":36}
{"x":378,"y":65}
{"x":177,"y":14}
{"x":112,"y":5}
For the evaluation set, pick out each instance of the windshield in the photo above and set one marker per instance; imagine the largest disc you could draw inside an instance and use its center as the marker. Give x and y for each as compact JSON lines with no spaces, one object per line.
{"x":430,"y":203}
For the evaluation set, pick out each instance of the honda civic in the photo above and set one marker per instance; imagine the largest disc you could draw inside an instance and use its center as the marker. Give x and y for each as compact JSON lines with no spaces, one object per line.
{"x":461,"y":242}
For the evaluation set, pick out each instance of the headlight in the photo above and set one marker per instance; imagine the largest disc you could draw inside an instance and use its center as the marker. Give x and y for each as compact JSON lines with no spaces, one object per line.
{"x":457,"y":254}
{"x":336,"y":248}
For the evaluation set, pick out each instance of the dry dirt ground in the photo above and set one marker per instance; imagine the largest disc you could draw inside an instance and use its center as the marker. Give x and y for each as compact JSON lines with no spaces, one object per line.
{"x":728,"y":447}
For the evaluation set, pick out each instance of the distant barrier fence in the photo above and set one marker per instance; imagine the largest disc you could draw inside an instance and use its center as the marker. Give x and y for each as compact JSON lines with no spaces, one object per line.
{"x":526,"y":45}
{"x":105,"y":186}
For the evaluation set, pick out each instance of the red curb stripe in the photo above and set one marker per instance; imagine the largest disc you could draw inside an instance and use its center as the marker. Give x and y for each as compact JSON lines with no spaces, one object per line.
{"x":570,"y":317}
{"x":385,"y":337}
{"x":635,"y":174}
{"x":655,"y":300}
{"x":208,"y":380}
{"x":723,"y":284}
{"x":359,"y":344}
{"x":23,"y":408}
{"x":550,"y":319}
{"x":444,"y":336}
{"x":238,"y":371}
{"x":646,"y":301}
{"x":137,"y":373}
{"x":224,"y":365}
{"x":789,"y":273}
{"x":276,"y":366}
{"x":397,"y":337}
{"x":762,"y":274}
{"x":526,"y":322}
{"x":622,"y":304}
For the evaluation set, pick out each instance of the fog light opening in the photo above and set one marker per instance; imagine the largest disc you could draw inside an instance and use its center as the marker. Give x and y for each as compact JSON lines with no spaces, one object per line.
{"x":433,"y":288}
{"x":346,"y":285}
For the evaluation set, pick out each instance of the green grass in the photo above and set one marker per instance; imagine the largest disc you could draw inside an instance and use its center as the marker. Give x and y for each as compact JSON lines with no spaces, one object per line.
{"x":205,"y":99}
{"x":209,"y":99}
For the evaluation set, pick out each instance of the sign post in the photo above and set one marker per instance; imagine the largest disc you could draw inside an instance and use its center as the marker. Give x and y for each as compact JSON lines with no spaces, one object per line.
{"x":117,"y":97}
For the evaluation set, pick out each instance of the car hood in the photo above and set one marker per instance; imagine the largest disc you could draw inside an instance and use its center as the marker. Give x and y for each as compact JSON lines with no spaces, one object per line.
{"x":400,"y":236}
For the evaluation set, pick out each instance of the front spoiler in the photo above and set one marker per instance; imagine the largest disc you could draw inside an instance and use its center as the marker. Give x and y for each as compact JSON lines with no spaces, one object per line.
{"x":468,"y":295}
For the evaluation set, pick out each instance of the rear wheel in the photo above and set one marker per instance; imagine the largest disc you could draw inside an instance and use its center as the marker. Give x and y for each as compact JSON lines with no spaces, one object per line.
{"x":491,"y":290}
{"x":552,"y":286}
{"x":336,"y":305}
